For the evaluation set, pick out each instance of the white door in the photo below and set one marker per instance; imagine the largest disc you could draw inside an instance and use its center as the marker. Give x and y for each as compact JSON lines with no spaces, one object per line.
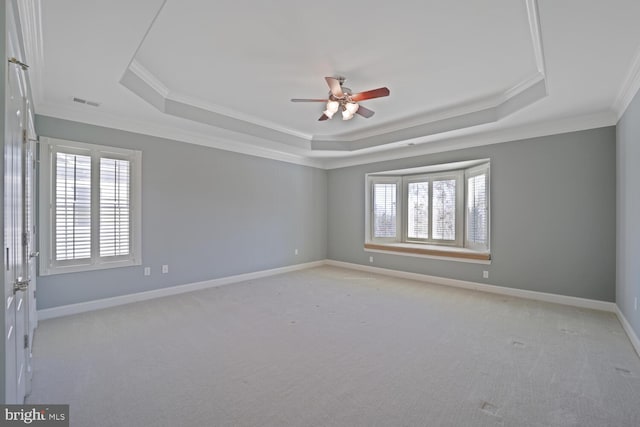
{"x":14,"y":270}
{"x":17,"y":272}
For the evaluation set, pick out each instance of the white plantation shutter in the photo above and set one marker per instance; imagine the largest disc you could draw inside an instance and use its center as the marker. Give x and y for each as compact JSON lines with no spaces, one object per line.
{"x":94,"y":197}
{"x":443,"y":214}
{"x":418,"y":210}
{"x":72,"y":228}
{"x":115,"y":216}
{"x":409,"y":210}
{"x":477,"y":211}
{"x":384,"y":210}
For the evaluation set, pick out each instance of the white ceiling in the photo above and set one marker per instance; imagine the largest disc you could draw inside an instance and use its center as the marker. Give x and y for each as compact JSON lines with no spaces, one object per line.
{"x":222,"y":73}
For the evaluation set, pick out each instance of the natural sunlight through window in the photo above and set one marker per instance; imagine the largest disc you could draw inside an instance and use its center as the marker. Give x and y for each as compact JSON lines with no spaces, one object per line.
{"x":438,"y":210}
{"x":94,"y":197}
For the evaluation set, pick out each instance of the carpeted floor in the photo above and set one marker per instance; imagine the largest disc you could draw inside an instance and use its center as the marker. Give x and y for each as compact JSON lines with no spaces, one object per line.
{"x":334,"y":347}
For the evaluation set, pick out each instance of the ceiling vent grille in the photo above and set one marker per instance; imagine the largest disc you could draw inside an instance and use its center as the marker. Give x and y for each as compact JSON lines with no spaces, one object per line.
{"x":84,"y":101}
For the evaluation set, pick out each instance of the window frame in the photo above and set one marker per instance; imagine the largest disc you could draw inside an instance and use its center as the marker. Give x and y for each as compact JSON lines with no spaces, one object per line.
{"x":370,"y":200}
{"x":49,"y":147}
{"x":459,"y":248}
{"x":456,"y":175}
{"x":470,"y":173}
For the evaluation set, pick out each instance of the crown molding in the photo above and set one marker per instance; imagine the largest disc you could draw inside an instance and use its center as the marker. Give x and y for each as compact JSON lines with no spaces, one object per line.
{"x":630,"y":87}
{"x":147,"y":86}
{"x":475,"y":112}
{"x":218,"y":109}
{"x":148,"y":78}
{"x":522,"y":86}
{"x":439,"y":144}
{"x":244,"y":144}
{"x":217,"y":138}
{"x":534,"y":92}
{"x":536,"y":35}
{"x":146,"y":33}
{"x":143,"y":83}
{"x":265,"y":141}
{"x":433,"y":118}
{"x":471,"y":108}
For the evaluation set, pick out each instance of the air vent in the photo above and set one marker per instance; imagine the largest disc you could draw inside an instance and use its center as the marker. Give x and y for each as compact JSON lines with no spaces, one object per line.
{"x":84,"y":101}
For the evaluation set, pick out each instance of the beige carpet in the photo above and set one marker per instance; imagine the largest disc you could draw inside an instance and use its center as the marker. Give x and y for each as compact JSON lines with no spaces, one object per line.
{"x":335,"y":347}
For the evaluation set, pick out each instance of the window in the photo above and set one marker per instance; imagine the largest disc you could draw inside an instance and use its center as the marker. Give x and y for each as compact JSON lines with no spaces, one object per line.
{"x":440,"y":210}
{"x":477,"y":215}
{"x":385,"y":209}
{"x":433,"y":208}
{"x":93,"y":197}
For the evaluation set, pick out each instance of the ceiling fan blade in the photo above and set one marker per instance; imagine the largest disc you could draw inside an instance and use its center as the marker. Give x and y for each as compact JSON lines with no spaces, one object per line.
{"x":308,"y":100}
{"x":323,"y":118}
{"x":334,"y":85}
{"x":364,"y":112}
{"x":375,"y":93}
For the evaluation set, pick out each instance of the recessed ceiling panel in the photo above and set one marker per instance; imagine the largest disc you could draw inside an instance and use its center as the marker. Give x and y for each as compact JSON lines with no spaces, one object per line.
{"x":252,"y":59}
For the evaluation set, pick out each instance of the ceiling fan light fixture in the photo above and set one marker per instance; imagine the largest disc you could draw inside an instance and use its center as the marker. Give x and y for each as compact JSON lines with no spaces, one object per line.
{"x":352,"y":107}
{"x":347,"y":115}
{"x":342,"y":99}
{"x":333,"y":106}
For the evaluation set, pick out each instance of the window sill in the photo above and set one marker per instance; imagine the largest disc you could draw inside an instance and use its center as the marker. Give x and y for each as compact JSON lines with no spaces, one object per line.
{"x":50,"y":270}
{"x":431,"y":251}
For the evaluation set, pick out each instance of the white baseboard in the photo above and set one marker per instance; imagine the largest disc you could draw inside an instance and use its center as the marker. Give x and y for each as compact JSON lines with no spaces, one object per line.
{"x":66,"y":310}
{"x":629,"y":330}
{"x":520,"y":293}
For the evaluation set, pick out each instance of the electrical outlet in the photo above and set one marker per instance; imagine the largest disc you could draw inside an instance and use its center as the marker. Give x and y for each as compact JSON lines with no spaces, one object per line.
{"x":147,"y":271}
{"x":295,"y":252}
{"x":371,"y":259}
{"x":485,"y":274}
{"x":165,"y":269}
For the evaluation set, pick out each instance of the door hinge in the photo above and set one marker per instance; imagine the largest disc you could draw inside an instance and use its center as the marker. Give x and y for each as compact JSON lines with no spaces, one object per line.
{"x":34,"y":294}
{"x":26,"y":341}
{"x":24,"y":136}
{"x":25,"y":238}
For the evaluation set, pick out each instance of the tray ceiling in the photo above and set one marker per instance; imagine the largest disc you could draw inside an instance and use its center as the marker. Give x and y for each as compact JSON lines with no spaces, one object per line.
{"x":222,"y":73}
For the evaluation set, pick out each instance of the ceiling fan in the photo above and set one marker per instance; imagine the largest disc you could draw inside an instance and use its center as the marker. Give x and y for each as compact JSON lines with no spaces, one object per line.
{"x":341,"y":98}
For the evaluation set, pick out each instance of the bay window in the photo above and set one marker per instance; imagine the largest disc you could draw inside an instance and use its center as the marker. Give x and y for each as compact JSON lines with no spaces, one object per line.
{"x":439,"y":210}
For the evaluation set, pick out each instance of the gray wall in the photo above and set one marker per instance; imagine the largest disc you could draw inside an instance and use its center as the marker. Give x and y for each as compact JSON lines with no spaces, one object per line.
{"x":552,"y":215}
{"x":207,"y":213}
{"x":628,"y":204}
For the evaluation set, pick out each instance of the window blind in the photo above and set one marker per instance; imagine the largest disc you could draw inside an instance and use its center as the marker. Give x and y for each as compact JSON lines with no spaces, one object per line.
{"x":443,"y":214}
{"x":384,"y":210}
{"x":72,"y":207}
{"x":477,"y":210}
{"x":418,"y":210}
{"x":115,"y":226}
